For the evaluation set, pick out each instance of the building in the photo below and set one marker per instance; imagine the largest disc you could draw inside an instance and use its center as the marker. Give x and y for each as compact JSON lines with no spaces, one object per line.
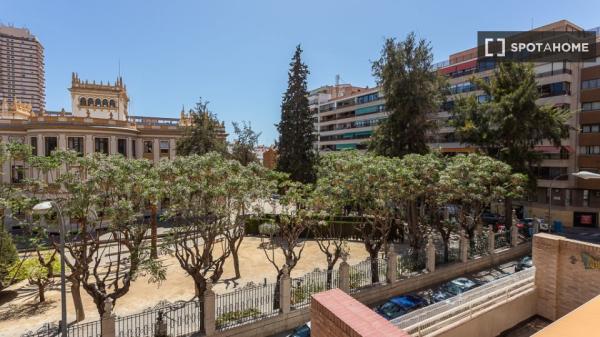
{"x":348,"y":122}
{"x":21,"y":68}
{"x":99,"y":121}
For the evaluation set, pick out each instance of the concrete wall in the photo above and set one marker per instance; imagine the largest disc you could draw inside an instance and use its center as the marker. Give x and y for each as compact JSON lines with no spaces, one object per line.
{"x":495,"y":320}
{"x":562,"y":279}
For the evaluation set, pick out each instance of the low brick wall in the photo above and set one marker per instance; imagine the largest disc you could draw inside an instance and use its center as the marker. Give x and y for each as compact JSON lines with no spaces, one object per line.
{"x":373,"y":295}
{"x":335,"y":313}
{"x":563,"y":280}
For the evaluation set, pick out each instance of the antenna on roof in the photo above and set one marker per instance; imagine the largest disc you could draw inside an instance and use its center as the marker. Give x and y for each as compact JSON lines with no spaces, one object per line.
{"x":337,"y":85}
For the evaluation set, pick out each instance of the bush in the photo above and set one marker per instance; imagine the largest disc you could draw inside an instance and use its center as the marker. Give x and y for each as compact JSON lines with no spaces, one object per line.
{"x":8,"y":256}
{"x":236,"y":316}
{"x":301,"y":293}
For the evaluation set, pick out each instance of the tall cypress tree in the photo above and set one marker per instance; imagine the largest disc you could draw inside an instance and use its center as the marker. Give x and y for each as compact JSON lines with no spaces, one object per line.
{"x":412,"y":90}
{"x":296,"y":136}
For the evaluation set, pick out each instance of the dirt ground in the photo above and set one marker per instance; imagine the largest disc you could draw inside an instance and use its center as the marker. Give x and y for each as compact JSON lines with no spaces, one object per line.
{"x":20,"y":310}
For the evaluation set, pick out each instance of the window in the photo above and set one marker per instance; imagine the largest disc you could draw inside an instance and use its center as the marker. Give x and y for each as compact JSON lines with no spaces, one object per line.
{"x":555,"y":89}
{"x":90,"y":102}
{"x":164,"y":147}
{"x":50,"y":144}
{"x":101,"y":145}
{"x":133,"y":149}
{"x":18,"y":174}
{"x":591,"y":150}
{"x":588,"y":106}
{"x":590,"y":128}
{"x":34,"y":145}
{"x":112,"y":103}
{"x":98,"y":102}
{"x":590,"y":84}
{"x":122,"y":146}
{"x":105,"y":102}
{"x":147,"y":146}
{"x":367,"y":98}
{"x":75,"y":144}
{"x":82,"y":101}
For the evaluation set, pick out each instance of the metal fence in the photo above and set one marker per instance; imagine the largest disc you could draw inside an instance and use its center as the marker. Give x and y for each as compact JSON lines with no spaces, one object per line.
{"x":411,"y":263}
{"x":312,"y":283}
{"x":46,"y":330}
{"x":245,"y":305}
{"x":438,"y":315}
{"x":453,"y":253}
{"x":479,"y":246}
{"x":181,"y":318}
{"x":501,"y":239}
{"x":87,"y":329}
{"x":360,"y":275}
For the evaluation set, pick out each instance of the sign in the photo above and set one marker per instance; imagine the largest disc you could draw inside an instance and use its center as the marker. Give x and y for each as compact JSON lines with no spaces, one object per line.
{"x":590,"y":262}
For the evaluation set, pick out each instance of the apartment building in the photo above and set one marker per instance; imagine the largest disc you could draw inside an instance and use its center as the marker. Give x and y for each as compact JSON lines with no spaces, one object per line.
{"x":21,"y":68}
{"x":99,"y":121}
{"x":348,"y":122}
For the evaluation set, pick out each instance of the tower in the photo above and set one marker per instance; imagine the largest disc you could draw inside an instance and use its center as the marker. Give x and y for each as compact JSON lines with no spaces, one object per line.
{"x":107,"y":101}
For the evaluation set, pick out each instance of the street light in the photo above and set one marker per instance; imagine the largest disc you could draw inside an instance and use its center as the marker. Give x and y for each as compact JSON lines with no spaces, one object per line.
{"x":43,"y":208}
{"x":581,"y":174}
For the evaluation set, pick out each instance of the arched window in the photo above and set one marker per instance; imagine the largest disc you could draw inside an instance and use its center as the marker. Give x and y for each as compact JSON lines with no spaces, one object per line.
{"x":105,"y":102}
{"x":82,"y":101}
{"x":98,"y":102}
{"x":90,"y":102}
{"x":112,"y":103}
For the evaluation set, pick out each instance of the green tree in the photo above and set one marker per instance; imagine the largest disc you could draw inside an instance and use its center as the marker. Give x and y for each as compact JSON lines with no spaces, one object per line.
{"x":510,"y":124}
{"x":39,"y":271}
{"x":245,"y":143}
{"x":296,"y":129}
{"x":412,"y":90}
{"x":8,"y":257}
{"x":203,"y":134}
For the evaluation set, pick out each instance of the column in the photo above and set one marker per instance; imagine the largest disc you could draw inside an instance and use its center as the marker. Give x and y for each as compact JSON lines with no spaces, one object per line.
{"x":491,"y":239}
{"x":172,"y":148}
{"x":40,"y":145}
{"x":108,"y":320}
{"x":112,"y":145}
{"x":392,"y":265}
{"x":6,"y":169}
{"x":89,"y":144}
{"x":430,"y":251}
{"x":285,"y":295}
{"x":129,"y":148}
{"x":62,"y":145}
{"x":514,"y":235}
{"x":156,"y":151}
{"x":344,"y":274}
{"x":139,"y":144}
{"x":210,"y":324}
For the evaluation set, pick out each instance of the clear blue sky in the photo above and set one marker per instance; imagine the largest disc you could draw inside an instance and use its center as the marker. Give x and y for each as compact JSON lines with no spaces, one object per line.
{"x":236,"y":53}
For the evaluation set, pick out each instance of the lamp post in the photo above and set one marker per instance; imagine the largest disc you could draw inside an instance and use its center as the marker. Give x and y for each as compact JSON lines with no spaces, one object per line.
{"x":581,"y":174}
{"x":43,"y":208}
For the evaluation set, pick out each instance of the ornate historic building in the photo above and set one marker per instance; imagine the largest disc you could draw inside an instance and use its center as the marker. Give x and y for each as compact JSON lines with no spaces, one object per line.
{"x":99,"y":121}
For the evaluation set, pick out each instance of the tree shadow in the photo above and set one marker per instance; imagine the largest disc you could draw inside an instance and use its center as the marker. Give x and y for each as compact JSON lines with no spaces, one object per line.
{"x":17,"y":311}
{"x":7,"y":296}
{"x":230,"y":282}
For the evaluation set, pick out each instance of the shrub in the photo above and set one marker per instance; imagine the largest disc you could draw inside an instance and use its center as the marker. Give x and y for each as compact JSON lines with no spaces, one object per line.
{"x":233,"y":316}
{"x":301,"y":293}
{"x":8,"y":256}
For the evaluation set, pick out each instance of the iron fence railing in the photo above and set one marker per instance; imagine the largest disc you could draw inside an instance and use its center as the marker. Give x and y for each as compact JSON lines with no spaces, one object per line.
{"x":501,"y":239}
{"x":453,"y":253}
{"x":312,"y":283}
{"x":87,"y":329}
{"x":411,"y":263}
{"x":245,"y":305}
{"x":46,"y":330}
{"x":479,"y":246}
{"x":360,"y":275}
{"x":438,"y":315}
{"x":181,"y":318}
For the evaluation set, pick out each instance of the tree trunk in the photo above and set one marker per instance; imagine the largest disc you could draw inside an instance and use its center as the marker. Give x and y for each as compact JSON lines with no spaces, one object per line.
{"x":508,"y":213}
{"x":329,"y":275}
{"x":77,"y":302}
{"x":236,"y":263}
{"x":153,"y":235}
{"x":277,"y":290}
{"x":41,"y":292}
{"x":446,"y":250}
{"x":374,"y":267}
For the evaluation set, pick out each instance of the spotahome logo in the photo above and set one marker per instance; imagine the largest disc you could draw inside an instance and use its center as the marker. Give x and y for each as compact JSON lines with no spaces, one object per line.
{"x":536,"y":46}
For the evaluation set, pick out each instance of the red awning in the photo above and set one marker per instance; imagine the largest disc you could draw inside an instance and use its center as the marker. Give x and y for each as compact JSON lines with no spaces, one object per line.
{"x":553,"y":149}
{"x":458,"y":67}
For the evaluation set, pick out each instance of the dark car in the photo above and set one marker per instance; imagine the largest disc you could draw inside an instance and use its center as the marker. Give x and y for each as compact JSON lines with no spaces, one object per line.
{"x":491,"y":218}
{"x":301,"y":331}
{"x":524,"y":263}
{"x":400,"y":305}
{"x":453,"y":288}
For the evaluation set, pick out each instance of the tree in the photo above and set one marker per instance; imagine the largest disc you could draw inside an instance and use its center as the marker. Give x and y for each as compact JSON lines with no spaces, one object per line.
{"x":474,"y":181}
{"x":331,"y":243}
{"x":290,"y":224}
{"x":245,"y":143}
{"x":510,"y":124}
{"x":203,"y":134}
{"x":296,"y":129}
{"x":8,"y":257}
{"x":363,"y":183}
{"x":412,"y":90}
{"x":39,"y":271}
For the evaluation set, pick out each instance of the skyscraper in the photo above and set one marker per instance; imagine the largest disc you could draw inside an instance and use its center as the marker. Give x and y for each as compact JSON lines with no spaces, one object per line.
{"x":21,"y":68}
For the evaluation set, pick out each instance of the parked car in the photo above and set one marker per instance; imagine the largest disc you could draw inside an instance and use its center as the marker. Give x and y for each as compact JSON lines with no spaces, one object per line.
{"x":400,"y":305}
{"x":491,"y":218}
{"x":453,"y":288}
{"x":301,"y":331}
{"x":524,"y":263}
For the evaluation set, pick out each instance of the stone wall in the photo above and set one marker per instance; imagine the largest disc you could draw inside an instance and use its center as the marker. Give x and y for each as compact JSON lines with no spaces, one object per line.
{"x":563,"y":280}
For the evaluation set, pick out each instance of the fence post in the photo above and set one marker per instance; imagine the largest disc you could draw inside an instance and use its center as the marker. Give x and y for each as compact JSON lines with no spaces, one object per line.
{"x":392,"y":265}
{"x":344,"y":275}
{"x":210,"y":324}
{"x":108,"y":320}
{"x":514,"y":235}
{"x":430,"y":251}
{"x":464,"y":247}
{"x":285,"y":290}
{"x":491,"y":240}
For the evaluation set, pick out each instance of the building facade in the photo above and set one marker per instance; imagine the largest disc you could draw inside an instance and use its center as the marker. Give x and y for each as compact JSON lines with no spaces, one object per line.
{"x":98,"y":122}
{"x":21,"y":68}
{"x":348,"y":122}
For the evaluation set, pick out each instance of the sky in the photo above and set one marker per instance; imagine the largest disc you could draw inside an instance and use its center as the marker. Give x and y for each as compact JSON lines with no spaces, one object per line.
{"x":236,"y":54}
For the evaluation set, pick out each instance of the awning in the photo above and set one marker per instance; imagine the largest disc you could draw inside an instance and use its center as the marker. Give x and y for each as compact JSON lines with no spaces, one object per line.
{"x":553,"y":149}
{"x":458,"y":67}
